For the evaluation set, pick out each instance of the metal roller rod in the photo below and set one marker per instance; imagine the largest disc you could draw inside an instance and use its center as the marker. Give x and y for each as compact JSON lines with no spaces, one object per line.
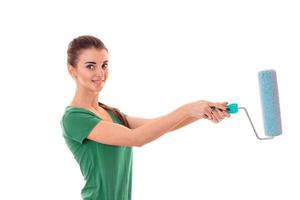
{"x":267,"y":138}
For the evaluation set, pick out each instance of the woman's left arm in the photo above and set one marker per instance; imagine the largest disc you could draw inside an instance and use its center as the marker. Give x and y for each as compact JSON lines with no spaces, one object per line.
{"x":135,"y":122}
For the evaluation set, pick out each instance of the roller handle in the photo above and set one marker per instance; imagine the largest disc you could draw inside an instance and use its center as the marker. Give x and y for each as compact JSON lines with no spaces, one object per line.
{"x":232,"y":108}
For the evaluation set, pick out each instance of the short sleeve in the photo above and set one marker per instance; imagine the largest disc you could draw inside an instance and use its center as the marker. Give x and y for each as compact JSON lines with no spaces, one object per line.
{"x":77,"y":125}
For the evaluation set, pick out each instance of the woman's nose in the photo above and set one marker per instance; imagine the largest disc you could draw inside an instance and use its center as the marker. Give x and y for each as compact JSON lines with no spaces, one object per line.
{"x":100,"y":71}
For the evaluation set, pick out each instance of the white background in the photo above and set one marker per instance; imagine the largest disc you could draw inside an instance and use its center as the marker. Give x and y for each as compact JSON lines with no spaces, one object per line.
{"x":163,"y":54}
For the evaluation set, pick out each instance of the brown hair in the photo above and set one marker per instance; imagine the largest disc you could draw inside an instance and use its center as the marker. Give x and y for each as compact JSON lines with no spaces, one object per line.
{"x":87,"y":42}
{"x":81,"y":43}
{"x":116,"y":112}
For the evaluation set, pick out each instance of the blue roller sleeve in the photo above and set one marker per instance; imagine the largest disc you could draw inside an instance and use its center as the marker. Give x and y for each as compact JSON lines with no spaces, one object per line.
{"x":270,"y":102}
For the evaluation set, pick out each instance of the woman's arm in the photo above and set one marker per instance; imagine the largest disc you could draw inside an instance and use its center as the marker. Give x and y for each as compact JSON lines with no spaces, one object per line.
{"x":185,"y":122}
{"x":116,"y":134}
{"x":135,"y":122}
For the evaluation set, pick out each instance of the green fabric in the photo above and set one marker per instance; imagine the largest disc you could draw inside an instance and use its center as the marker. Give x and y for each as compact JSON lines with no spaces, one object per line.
{"x":107,"y":169}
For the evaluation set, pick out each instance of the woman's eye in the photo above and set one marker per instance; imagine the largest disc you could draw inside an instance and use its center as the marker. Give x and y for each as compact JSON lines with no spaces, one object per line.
{"x":105,"y":65}
{"x":90,"y":66}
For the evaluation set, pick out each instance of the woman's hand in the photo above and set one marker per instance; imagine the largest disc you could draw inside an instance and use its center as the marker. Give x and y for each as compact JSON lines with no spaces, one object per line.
{"x":215,"y":112}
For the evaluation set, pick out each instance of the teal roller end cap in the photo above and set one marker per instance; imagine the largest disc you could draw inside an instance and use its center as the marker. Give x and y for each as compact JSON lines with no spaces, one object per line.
{"x":232,"y":108}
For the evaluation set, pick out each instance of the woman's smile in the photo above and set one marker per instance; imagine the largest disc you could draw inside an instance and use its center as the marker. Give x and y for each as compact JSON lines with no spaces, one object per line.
{"x":98,"y":82}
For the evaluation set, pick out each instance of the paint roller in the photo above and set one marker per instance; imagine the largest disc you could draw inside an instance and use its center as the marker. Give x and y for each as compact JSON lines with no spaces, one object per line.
{"x":269,"y":98}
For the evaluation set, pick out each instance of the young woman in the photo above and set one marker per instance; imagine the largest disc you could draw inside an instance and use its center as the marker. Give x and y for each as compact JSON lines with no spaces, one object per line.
{"x":100,"y":136}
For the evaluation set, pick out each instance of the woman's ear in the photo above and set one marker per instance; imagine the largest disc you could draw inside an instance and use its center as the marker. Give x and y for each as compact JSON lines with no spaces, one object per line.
{"x":72,"y":71}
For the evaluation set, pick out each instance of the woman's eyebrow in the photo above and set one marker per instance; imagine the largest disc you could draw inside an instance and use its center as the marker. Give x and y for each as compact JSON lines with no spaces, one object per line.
{"x":89,"y":62}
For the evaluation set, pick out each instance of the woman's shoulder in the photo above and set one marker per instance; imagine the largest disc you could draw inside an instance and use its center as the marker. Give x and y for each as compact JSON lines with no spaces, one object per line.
{"x":76,"y":111}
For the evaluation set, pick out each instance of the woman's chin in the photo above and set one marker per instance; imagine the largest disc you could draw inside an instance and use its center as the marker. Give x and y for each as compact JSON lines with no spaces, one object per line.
{"x":97,"y":86}
{"x":97,"y":89}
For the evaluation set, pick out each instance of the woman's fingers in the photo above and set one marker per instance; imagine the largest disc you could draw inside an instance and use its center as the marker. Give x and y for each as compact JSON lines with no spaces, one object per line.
{"x":224,"y":103}
{"x":212,"y":111}
{"x":218,"y":111}
{"x":218,"y":106}
{"x":220,"y":114}
{"x":212,"y":115}
{"x":208,"y":113}
{"x":226,"y":114}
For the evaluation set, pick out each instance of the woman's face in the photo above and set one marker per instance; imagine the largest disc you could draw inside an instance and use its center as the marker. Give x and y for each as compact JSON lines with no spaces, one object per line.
{"x":91,"y":70}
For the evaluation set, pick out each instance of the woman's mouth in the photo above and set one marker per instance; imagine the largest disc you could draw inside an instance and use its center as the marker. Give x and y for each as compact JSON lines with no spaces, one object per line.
{"x":98,"y":81}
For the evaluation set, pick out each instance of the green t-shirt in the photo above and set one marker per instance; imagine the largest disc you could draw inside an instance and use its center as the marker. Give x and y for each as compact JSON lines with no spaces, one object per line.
{"x":107,"y":169}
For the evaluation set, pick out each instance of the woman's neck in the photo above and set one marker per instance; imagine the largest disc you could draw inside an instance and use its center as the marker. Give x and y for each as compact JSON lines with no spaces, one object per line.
{"x":85,"y":99}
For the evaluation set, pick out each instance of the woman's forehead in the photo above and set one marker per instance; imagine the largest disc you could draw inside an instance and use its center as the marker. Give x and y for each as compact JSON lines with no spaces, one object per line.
{"x":95,"y":55}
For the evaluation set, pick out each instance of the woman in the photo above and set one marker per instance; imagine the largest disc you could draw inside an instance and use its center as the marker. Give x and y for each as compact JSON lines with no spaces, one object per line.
{"x":100,"y":136}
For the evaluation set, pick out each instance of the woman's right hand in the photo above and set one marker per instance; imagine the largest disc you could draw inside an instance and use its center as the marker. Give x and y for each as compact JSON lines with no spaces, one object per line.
{"x":215,"y":112}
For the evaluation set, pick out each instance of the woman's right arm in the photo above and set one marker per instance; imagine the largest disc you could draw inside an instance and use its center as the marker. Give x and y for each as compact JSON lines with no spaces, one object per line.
{"x":116,"y":134}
